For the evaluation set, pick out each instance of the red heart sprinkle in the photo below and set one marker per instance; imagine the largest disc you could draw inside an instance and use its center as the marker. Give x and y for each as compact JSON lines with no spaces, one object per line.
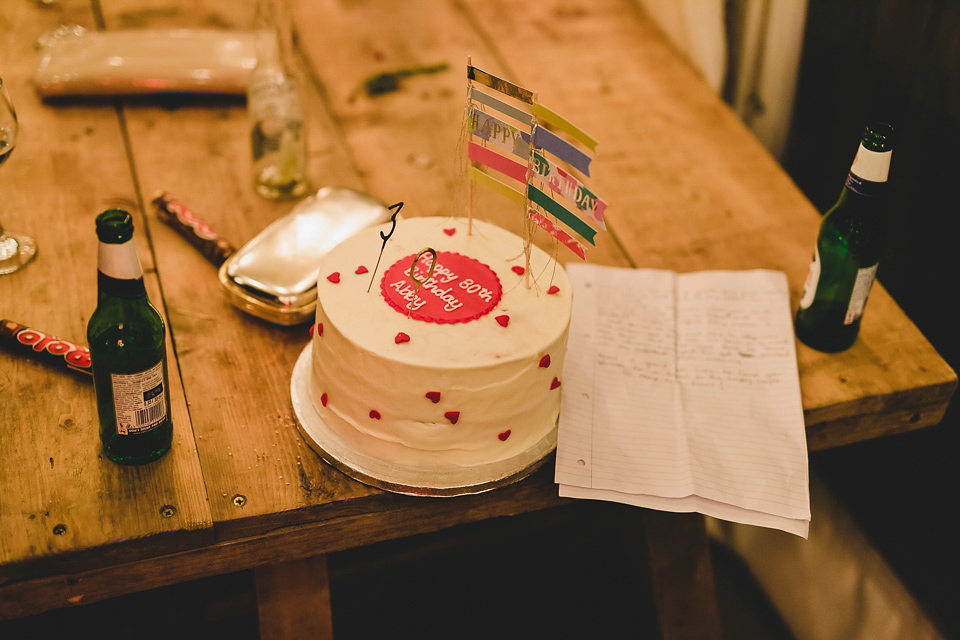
{"x":517,"y":270}
{"x":545,"y":361}
{"x":361,"y":269}
{"x":503,"y":320}
{"x":449,"y":232}
{"x":319,"y":329}
{"x":503,"y":436}
{"x":323,"y":399}
{"x":452,"y":416}
{"x":401,"y":338}
{"x":374,"y":414}
{"x":434,"y":396}
{"x":553,"y":289}
{"x":334,"y":277}
{"x":554,"y":384}
{"x":310,"y":330}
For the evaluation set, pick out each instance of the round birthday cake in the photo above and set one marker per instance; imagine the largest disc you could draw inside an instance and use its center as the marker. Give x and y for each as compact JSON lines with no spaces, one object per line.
{"x":450,"y":354}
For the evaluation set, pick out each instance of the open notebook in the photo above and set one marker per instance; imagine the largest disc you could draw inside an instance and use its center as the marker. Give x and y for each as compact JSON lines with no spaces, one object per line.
{"x":681,"y":393}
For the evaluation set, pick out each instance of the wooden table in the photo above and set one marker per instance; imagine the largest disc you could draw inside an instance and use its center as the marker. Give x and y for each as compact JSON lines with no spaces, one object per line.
{"x":689,"y":189}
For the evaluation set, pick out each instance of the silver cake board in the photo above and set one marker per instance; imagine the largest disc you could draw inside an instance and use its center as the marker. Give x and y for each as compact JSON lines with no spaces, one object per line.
{"x":417,"y":481}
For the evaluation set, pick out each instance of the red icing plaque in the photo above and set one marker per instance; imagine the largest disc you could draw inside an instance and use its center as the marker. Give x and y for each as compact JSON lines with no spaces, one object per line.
{"x":461,"y":289}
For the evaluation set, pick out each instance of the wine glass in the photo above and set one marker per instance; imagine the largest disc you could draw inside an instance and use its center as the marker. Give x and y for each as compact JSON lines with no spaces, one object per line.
{"x":16,"y":249}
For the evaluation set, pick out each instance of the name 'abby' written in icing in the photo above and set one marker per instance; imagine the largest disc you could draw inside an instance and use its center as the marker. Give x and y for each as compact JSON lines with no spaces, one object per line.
{"x":459,"y":289}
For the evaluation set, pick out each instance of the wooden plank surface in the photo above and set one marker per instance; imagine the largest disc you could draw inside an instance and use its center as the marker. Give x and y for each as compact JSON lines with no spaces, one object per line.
{"x":62,"y":502}
{"x":259,"y":472}
{"x":672,"y":157}
{"x":408,"y":143}
{"x":293,"y":600}
{"x":682,"y":575}
{"x":403,"y":517}
{"x":690,"y":188}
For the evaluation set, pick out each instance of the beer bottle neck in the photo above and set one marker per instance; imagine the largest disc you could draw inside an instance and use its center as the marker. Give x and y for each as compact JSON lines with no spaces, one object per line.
{"x":117,"y":288}
{"x":272,"y":34}
{"x":868,"y":173}
{"x":118,"y":270}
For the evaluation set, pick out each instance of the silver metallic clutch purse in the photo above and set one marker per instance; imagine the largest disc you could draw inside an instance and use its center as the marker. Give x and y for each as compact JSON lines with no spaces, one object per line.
{"x":274,"y":275}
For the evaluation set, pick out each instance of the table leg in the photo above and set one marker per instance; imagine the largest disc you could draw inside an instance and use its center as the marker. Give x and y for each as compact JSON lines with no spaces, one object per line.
{"x":293,"y":600}
{"x":682,"y":576}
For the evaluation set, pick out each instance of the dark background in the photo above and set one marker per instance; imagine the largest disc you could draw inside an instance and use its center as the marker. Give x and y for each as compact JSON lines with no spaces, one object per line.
{"x":897,"y":61}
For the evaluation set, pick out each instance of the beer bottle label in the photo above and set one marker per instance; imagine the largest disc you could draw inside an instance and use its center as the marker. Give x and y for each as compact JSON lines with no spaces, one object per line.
{"x":119,"y":261}
{"x":813,"y":278}
{"x":869,"y":171}
{"x":861,"y":290}
{"x":871,"y":165}
{"x":139,"y":400}
{"x":276,"y":115}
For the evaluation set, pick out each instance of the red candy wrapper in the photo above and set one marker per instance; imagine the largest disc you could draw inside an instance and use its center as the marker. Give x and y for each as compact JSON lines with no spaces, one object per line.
{"x":197,"y":232}
{"x":22,"y":339}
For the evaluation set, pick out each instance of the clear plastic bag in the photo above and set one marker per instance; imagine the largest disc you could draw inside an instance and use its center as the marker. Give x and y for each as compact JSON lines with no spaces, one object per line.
{"x":77,"y":62}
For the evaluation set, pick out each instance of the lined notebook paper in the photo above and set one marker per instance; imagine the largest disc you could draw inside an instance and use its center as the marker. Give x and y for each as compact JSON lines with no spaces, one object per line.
{"x":681,"y":393}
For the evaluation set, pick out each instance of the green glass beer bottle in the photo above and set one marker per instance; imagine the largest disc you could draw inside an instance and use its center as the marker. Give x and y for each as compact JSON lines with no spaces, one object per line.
{"x":127,"y":351}
{"x":848,"y":249}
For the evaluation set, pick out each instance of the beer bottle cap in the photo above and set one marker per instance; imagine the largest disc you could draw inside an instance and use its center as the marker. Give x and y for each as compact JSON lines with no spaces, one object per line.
{"x":878,"y":137}
{"x":114,"y":226}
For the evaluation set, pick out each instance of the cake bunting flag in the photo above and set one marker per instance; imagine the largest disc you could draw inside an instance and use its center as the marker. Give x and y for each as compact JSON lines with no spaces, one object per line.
{"x":530,"y":154}
{"x":499,"y":84}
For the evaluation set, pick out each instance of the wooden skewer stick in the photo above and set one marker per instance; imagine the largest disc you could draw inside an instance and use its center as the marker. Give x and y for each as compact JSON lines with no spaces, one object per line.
{"x":528,"y":225}
{"x":469,"y":179}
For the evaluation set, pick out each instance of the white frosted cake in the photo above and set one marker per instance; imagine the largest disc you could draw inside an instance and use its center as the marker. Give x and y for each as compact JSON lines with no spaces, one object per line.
{"x":462,"y":369}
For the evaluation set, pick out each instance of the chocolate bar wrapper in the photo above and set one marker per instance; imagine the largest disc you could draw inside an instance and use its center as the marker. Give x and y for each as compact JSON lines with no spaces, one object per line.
{"x":43,"y":346}
{"x":197,"y":232}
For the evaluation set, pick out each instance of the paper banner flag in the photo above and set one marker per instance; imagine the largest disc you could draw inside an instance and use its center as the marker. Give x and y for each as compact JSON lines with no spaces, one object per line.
{"x":547,"y":115}
{"x":572,"y":228}
{"x":499,"y":84}
{"x":508,"y":137}
{"x":507,"y":166}
{"x":495,"y":185}
{"x":561,"y":213}
{"x":565,"y":238}
{"x":548,"y":141}
{"x":499,"y":133}
{"x":569,"y":187}
{"x":504,"y":108}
